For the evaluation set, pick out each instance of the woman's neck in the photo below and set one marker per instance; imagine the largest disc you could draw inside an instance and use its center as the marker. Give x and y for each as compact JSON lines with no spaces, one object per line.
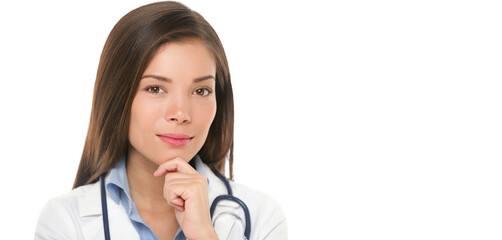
{"x":147,"y":194}
{"x":146,"y":189}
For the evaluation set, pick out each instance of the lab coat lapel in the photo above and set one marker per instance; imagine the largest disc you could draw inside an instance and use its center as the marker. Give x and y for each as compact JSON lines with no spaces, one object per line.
{"x":90,"y":213}
{"x":216,"y":187}
{"x":92,"y":221}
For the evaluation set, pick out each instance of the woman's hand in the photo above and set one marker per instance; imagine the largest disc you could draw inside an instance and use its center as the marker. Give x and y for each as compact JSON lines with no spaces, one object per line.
{"x":186,"y":190}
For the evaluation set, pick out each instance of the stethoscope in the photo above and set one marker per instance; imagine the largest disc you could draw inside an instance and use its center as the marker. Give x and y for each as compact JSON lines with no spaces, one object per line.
{"x":229,"y":197}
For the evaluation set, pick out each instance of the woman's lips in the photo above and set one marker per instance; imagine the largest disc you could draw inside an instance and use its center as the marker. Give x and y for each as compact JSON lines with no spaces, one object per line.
{"x":175,"y":139}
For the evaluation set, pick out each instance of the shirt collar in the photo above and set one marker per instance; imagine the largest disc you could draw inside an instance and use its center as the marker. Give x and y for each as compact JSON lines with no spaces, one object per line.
{"x":118,"y":183}
{"x":199,"y":166}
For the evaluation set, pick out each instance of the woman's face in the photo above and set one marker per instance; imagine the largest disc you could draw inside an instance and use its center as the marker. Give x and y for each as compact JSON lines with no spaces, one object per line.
{"x":175,"y":103}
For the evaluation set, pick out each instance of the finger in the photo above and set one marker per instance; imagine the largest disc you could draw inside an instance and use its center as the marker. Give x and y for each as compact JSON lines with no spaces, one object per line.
{"x":174,"y":165}
{"x":173,"y":199}
{"x":176,"y":195}
{"x":172,"y":176}
{"x":178,"y":203}
{"x":182,"y":178}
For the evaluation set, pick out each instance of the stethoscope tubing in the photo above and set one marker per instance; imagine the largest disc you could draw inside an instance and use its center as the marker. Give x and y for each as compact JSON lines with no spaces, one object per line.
{"x":104,"y":208}
{"x":247,"y":229}
{"x":230,"y":196}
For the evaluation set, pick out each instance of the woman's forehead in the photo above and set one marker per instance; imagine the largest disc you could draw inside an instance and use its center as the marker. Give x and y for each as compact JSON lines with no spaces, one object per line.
{"x":182,"y":58}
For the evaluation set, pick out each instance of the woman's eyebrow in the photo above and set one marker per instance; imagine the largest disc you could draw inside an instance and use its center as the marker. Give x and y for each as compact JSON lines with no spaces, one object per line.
{"x":157,"y":77}
{"x":164,"y":79}
{"x":200,"y":79}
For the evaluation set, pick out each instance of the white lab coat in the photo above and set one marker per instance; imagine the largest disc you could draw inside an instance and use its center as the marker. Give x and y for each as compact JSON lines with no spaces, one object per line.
{"x":77,"y":215}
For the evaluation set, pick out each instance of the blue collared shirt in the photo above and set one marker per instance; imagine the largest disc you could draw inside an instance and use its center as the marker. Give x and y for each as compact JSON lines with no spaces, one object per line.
{"x":118,"y":187}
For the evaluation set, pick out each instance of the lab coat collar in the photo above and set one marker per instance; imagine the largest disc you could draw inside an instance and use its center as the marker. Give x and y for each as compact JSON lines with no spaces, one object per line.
{"x":91,"y":201}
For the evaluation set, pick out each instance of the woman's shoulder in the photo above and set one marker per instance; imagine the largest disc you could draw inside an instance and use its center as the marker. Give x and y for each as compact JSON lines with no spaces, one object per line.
{"x":262,"y":207}
{"x":256,"y":196}
{"x":71,"y":200}
{"x":267,"y":215}
{"x":61,"y":214}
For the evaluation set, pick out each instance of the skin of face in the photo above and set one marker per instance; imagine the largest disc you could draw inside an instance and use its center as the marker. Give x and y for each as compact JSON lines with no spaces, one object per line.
{"x":176,"y":95}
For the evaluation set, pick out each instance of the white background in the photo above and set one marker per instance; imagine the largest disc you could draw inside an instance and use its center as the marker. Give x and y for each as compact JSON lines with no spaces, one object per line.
{"x":363,"y":119}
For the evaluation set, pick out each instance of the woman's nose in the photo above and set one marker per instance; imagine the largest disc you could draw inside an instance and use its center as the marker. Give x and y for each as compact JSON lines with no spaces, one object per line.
{"x":178,"y":111}
{"x":180,"y":118}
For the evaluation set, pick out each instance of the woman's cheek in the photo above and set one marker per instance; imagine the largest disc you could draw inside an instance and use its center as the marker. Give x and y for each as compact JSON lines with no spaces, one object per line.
{"x":204,"y":117}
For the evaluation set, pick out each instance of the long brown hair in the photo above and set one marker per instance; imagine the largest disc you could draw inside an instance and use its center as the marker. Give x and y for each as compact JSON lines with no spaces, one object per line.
{"x":127,"y":52}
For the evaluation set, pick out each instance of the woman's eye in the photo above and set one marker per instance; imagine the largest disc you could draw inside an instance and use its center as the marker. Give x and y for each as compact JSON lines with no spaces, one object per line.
{"x":202,"y":92}
{"x":154,"y":89}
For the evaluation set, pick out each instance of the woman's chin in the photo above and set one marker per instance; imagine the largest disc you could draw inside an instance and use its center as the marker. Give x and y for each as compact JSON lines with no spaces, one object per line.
{"x":183,"y":155}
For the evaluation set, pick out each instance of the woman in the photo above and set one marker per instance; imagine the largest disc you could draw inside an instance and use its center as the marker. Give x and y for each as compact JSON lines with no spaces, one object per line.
{"x":160,"y":132}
